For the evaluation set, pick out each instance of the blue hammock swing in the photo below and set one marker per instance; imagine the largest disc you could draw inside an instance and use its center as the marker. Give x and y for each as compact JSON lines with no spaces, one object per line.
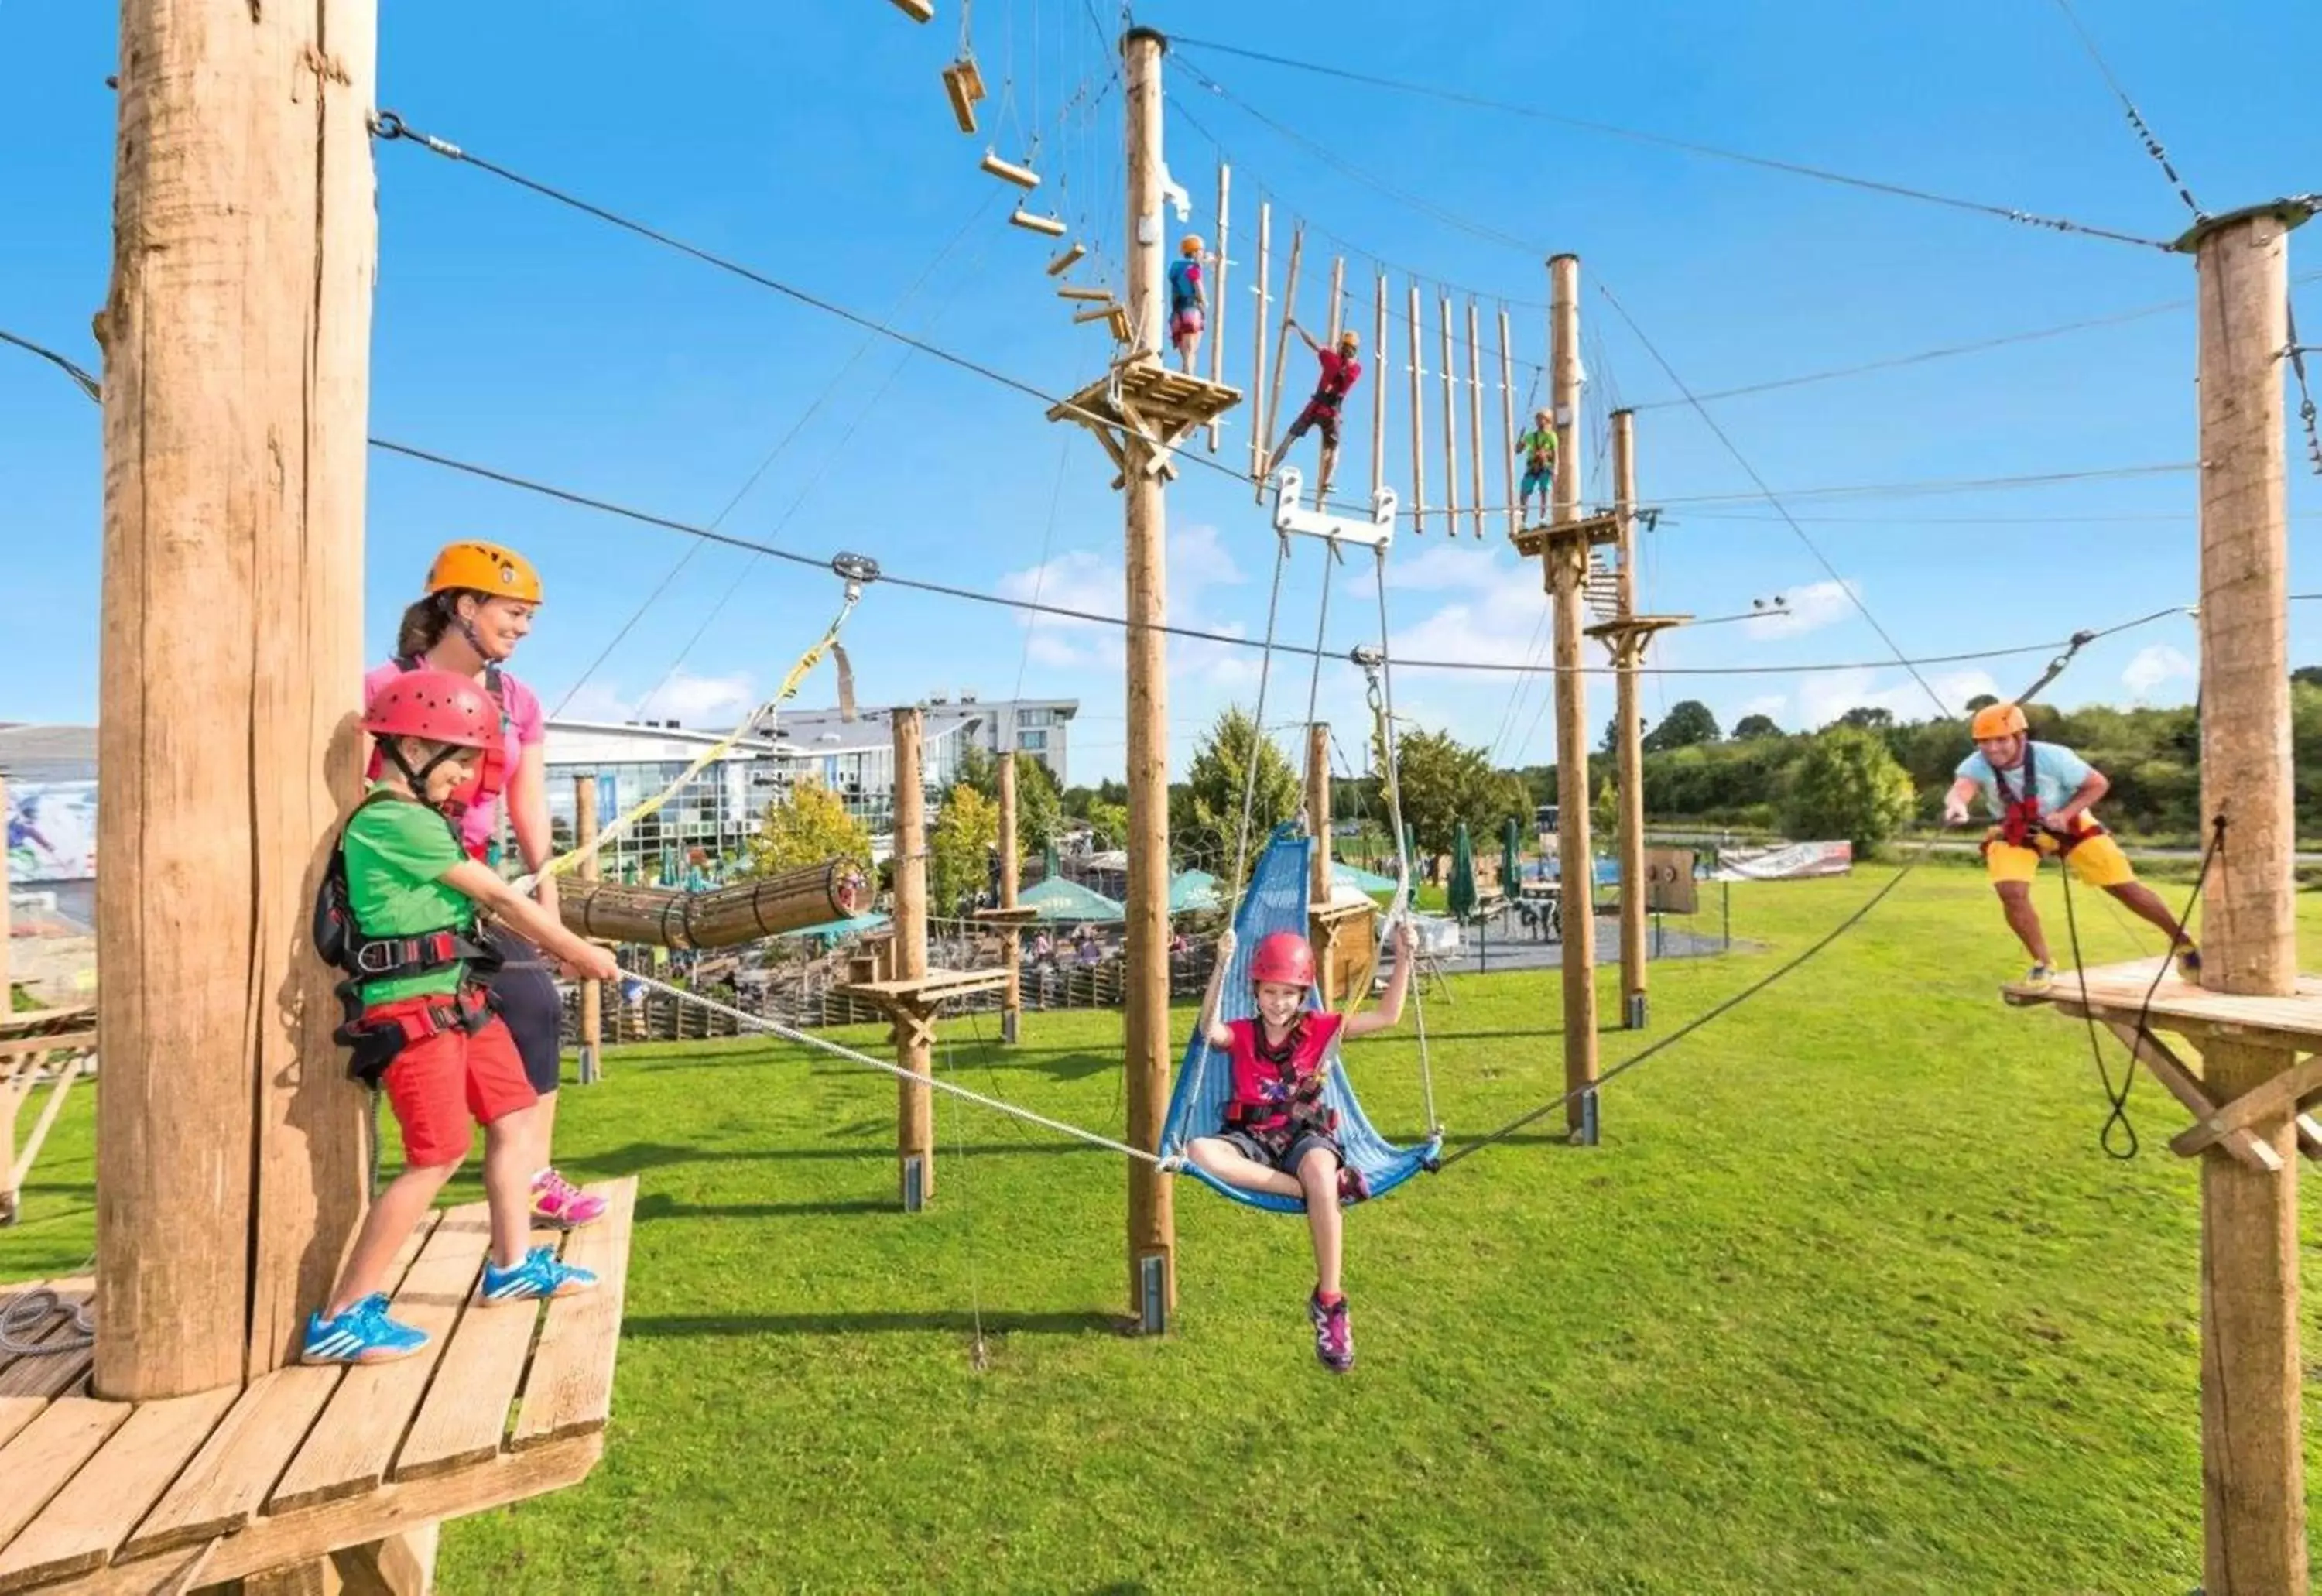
{"x":1277,"y":901}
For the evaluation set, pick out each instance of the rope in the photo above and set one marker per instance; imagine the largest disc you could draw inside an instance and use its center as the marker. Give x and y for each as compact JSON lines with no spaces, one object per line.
{"x":1380,"y":690}
{"x":22,"y":1315}
{"x":1662,"y":141}
{"x":2305,"y":414}
{"x":2137,"y":121}
{"x":1682,"y":1032}
{"x":854,"y":571}
{"x":774,"y":1027}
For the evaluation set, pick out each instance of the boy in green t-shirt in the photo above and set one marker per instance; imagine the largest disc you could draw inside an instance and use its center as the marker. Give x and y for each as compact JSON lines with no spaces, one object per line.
{"x":412,"y":894}
{"x":1538,"y":447}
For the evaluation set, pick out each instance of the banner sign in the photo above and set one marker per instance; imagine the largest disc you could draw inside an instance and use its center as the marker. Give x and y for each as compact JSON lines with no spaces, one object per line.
{"x":1790,"y":862}
{"x":51,"y":832}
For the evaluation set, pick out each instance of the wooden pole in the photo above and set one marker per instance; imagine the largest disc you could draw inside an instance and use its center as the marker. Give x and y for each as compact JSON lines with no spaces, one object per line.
{"x":1450,"y":421}
{"x":1568,"y":566}
{"x":1281,"y":350}
{"x":1011,"y":997}
{"x":1338,"y":296}
{"x":915,"y":1118}
{"x":1378,"y":384}
{"x":1152,"y":1220}
{"x":1508,"y":425}
{"x":1261,"y":439}
{"x":1418,"y":423}
{"x":593,"y":993}
{"x":236,"y":332}
{"x":1625,"y":656}
{"x":2252,"y":1470}
{"x":1318,"y":809}
{"x":1476,"y":415}
{"x":1217,"y":316}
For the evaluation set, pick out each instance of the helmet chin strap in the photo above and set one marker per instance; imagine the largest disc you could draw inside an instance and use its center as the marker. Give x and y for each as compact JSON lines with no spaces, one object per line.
{"x":419,"y":777}
{"x":474,"y":639}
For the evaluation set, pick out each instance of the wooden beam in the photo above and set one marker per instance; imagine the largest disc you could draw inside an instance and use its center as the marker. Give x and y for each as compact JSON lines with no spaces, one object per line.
{"x":1476,"y":417}
{"x":236,"y":332}
{"x":1260,"y":439}
{"x":1626,"y":656}
{"x":2276,"y":1096}
{"x":1271,"y":429}
{"x":400,"y":1566}
{"x":1152,"y":1219}
{"x":1318,"y":809}
{"x":2252,"y":1473}
{"x":915,"y":1121}
{"x":1418,"y":418}
{"x":1379,"y":383}
{"x":1568,"y":563}
{"x":1011,"y":1000}
{"x":1217,"y":328}
{"x":591,"y":868}
{"x":1450,"y":420}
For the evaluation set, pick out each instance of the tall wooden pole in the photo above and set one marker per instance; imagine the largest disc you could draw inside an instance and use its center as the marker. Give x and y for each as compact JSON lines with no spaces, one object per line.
{"x":2252,"y":1469}
{"x":1260,"y":439}
{"x":1318,"y":809}
{"x":1217,"y":298}
{"x":1476,"y":415}
{"x":1338,"y":297}
{"x":1152,"y":1221}
{"x":1011,"y":996}
{"x":1378,"y":384}
{"x":1450,"y":420}
{"x":591,"y":868}
{"x":1508,"y":425}
{"x":236,"y":332}
{"x":1281,"y":350}
{"x":1632,"y":731}
{"x":1567,"y":565}
{"x":915,"y":1113}
{"x":1418,"y":420}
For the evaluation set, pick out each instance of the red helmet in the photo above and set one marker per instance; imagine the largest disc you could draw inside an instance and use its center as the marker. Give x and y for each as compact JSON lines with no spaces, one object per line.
{"x":435,"y":705}
{"x":1283,"y":956}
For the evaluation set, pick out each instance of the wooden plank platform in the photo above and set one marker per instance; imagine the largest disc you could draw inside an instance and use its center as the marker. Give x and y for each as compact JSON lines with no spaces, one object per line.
{"x":1140,"y":397}
{"x":100,"y":1497}
{"x":927,"y":990}
{"x":1591,"y":529}
{"x":1645,"y":625}
{"x":1008,"y":917}
{"x":2117,"y":992}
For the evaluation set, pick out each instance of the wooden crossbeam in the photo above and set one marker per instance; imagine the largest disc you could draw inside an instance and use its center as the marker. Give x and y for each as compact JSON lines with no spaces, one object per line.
{"x":2186,"y":1087}
{"x":2279,"y":1095}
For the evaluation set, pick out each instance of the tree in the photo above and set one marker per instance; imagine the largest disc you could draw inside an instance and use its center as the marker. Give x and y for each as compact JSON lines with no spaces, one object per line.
{"x":1755,"y":725}
{"x":1109,"y":821}
{"x":1986,"y":701}
{"x":1848,"y":785}
{"x":978,"y":768}
{"x":1867,"y":717}
{"x":1220,"y":768}
{"x":1444,"y":781}
{"x":1040,"y":807}
{"x":811,"y":826}
{"x":1689,"y":722}
{"x":959,"y":847}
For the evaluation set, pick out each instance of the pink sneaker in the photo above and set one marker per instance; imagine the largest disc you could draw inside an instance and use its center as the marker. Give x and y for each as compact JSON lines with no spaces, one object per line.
{"x":557,"y":1201}
{"x":1334,"y":1336}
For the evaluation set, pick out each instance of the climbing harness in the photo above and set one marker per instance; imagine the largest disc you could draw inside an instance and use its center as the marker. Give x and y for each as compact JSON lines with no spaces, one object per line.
{"x":374,"y":1041}
{"x":857,"y":571}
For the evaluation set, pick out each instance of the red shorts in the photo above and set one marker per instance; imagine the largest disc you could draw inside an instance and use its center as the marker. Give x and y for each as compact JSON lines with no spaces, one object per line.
{"x":1186,"y":321}
{"x":442,"y":1087}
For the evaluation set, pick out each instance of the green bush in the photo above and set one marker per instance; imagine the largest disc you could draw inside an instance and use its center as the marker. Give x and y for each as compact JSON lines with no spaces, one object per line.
{"x":1848,"y":785}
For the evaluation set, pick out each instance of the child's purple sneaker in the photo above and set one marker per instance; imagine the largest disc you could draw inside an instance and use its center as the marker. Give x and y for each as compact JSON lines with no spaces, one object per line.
{"x":1334,"y":1336}
{"x":1352,"y":1187}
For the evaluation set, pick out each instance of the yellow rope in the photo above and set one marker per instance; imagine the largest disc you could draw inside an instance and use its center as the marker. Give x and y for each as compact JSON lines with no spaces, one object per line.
{"x":709,"y":756}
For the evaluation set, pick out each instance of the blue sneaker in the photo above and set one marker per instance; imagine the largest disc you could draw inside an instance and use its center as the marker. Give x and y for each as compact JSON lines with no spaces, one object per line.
{"x":539,"y":1275}
{"x":363,"y":1334}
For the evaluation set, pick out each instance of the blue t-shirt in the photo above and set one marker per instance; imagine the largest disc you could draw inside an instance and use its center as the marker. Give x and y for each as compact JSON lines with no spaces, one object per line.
{"x":2057,"y":773}
{"x":1185,"y":282}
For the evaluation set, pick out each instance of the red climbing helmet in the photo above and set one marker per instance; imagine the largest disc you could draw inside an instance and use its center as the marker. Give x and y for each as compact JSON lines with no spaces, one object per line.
{"x":1283,"y":956}
{"x":435,"y":705}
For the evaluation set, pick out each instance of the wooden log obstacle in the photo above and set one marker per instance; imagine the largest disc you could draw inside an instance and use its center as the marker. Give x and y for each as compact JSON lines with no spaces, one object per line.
{"x":723,"y":916}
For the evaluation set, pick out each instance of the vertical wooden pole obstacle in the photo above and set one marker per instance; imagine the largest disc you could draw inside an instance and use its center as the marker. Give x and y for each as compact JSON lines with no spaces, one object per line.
{"x":1140,"y":412}
{"x":593,"y":993}
{"x":1011,"y":998}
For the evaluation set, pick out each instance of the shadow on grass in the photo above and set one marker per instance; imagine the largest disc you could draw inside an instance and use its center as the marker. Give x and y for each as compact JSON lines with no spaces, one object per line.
{"x":1068,"y":1064}
{"x":652,"y":1205}
{"x":948,"y":1321}
{"x":640,"y":1156}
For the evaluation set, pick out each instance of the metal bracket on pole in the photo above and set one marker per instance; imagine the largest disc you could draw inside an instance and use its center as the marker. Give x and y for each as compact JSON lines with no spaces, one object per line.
{"x":1152,"y":1277}
{"x":1635,"y":1018}
{"x":1586,"y":1137}
{"x":1377,"y":532}
{"x":914,"y":1184}
{"x":590,"y":1072}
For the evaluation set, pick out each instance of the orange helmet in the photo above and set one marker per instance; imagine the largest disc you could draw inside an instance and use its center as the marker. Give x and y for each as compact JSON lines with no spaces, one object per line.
{"x":1191,"y":244}
{"x":488,"y":568}
{"x":1998,"y":720}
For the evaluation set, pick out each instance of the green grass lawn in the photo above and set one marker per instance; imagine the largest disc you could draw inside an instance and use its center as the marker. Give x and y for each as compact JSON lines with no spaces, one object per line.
{"x":1848,"y":1300}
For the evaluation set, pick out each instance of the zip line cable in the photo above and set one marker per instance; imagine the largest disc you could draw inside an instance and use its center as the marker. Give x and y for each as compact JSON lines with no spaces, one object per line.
{"x":2136,"y":119}
{"x":1663,"y":140}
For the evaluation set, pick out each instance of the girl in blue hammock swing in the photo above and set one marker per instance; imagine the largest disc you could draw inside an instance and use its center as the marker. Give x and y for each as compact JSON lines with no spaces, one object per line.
{"x":1279,"y":1134}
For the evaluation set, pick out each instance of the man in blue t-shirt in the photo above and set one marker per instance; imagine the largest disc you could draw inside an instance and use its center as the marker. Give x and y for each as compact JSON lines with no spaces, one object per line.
{"x":2040,"y":794}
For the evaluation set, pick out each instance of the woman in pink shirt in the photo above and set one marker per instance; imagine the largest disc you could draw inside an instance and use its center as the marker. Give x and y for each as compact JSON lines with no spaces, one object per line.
{"x":479,"y":606}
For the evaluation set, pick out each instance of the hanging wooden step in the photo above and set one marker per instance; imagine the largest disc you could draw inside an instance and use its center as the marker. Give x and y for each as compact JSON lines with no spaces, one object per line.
{"x":1096,"y":313}
{"x":964,"y":86}
{"x":1023,"y":176}
{"x":918,"y":10}
{"x":1100,"y":296}
{"x":1031,"y":222}
{"x":1063,"y":262}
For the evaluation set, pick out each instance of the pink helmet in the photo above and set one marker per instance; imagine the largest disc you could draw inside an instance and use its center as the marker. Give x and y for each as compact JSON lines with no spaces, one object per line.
{"x":1283,"y":956}
{"x":435,"y":705}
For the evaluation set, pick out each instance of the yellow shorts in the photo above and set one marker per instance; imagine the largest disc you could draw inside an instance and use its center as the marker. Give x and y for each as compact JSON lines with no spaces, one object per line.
{"x":2095,"y":861}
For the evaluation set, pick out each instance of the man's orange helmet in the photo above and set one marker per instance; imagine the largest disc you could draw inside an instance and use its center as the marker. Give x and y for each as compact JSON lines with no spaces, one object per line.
{"x":489,"y":569}
{"x":1998,"y":720}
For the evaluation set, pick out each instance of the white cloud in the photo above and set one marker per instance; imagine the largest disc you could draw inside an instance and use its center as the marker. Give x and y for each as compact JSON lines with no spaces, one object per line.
{"x":1434,"y":567}
{"x":1810,"y":608}
{"x":2154,"y":665}
{"x":1197,"y":560}
{"x":1824,"y":697}
{"x":708,"y":702}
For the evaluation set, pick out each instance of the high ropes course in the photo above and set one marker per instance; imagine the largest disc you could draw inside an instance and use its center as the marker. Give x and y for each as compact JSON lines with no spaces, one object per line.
{"x":1487,"y":442}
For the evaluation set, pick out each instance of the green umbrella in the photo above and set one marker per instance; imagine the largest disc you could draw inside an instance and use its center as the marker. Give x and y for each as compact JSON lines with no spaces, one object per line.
{"x":1462,"y":897}
{"x":1050,"y":867}
{"x":1511,"y":856}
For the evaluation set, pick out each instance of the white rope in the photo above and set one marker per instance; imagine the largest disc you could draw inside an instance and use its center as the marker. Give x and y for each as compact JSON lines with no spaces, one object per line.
{"x":1382,"y":683}
{"x":836,"y":1050}
{"x":24,"y":1315}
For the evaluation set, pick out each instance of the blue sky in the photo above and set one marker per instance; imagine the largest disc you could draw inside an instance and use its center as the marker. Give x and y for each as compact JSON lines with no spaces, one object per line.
{"x":811,"y":141}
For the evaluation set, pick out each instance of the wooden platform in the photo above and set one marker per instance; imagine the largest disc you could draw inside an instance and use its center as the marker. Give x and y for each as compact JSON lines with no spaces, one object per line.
{"x":2115,"y":996}
{"x":1537,"y":538}
{"x":1142,"y":398}
{"x":1008,"y":917}
{"x":112,"y":1498}
{"x":934,"y":987}
{"x":1644,"y":626}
